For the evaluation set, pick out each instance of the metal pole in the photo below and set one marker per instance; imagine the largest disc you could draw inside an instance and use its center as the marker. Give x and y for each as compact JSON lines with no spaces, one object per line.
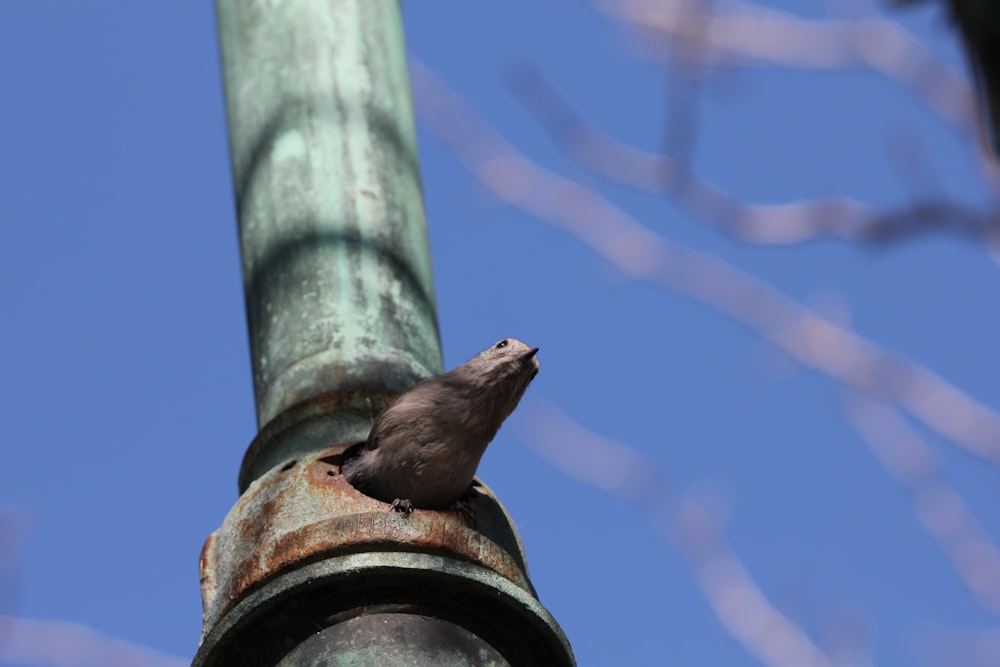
{"x":336,"y":265}
{"x":340,"y":307}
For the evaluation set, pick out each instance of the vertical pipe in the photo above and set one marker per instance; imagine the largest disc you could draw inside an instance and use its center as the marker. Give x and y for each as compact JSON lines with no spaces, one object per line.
{"x":336,"y":264}
{"x":305,"y":570}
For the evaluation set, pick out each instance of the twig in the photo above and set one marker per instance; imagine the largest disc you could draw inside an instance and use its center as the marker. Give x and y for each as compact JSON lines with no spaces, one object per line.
{"x":60,"y":644}
{"x":798,"y":331}
{"x":937,"y":504}
{"x":741,"y":33}
{"x":743,"y":30}
{"x":778,"y":224}
{"x":730,"y":590}
{"x":969,"y":648}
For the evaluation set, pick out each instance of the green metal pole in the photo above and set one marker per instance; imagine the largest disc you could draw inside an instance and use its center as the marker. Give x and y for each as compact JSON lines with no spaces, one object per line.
{"x":305,"y":570}
{"x":336,"y":264}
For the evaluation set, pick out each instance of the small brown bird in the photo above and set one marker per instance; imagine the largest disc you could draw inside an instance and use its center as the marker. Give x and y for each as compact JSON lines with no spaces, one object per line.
{"x":424,"y":448}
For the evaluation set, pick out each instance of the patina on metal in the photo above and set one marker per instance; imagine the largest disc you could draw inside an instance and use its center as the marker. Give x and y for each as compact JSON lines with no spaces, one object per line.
{"x":336,"y":265}
{"x":306,"y":570}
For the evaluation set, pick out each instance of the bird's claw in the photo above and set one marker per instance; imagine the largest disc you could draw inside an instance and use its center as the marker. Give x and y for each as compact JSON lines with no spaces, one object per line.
{"x":402,"y":505}
{"x":467,"y":507}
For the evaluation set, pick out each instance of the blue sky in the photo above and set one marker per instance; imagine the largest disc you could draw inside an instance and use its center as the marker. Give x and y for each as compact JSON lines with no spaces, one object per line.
{"x":127,"y":400}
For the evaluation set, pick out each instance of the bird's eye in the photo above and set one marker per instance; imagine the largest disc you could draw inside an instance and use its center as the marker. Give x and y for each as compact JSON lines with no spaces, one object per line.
{"x":502,"y":344}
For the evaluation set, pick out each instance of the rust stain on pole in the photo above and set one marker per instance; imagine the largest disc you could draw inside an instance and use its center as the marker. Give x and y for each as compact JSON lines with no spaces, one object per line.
{"x":305,"y":510}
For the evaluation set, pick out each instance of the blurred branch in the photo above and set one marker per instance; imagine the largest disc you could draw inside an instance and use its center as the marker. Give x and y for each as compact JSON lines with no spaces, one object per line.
{"x":800,"y":332}
{"x":977,"y":24}
{"x":684,"y":82}
{"x":795,"y":222}
{"x":743,"y":31}
{"x":969,"y":648}
{"x":60,"y":644}
{"x":731,"y":592}
{"x":937,"y":504}
{"x":26,"y":641}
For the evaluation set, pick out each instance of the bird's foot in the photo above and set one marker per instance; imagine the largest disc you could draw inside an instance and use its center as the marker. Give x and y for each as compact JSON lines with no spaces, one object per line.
{"x":467,"y":507}
{"x":402,"y":505}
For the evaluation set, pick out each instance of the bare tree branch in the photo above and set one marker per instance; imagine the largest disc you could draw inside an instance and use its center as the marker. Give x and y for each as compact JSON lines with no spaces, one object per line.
{"x":798,"y":331}
{"x":729,"y":589}
{"x":794,"y":222}
{"x":744,"y":31}
{"x":969,"y":648}
{"x":741,"y":33}
{"x":61,"y":644}
{"x":937,"y":504}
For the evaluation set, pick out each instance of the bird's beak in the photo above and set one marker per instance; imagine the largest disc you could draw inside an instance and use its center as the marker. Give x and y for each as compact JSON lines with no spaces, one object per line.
{"x":529,"y":354}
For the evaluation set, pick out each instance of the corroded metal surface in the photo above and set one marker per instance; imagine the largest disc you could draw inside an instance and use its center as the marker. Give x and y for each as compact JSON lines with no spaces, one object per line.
{"x":309,"y":426}
{"x":305,"y":510}
{"x":313,"y":615}
{"x":415,"y":640}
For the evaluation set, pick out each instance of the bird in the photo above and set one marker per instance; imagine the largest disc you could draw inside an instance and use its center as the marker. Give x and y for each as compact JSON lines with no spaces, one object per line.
{"x":424,"y":447}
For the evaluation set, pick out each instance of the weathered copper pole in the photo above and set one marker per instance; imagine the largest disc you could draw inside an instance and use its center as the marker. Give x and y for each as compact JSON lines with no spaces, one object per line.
{"x":336,"y":265}
{"x":340,"y":307}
